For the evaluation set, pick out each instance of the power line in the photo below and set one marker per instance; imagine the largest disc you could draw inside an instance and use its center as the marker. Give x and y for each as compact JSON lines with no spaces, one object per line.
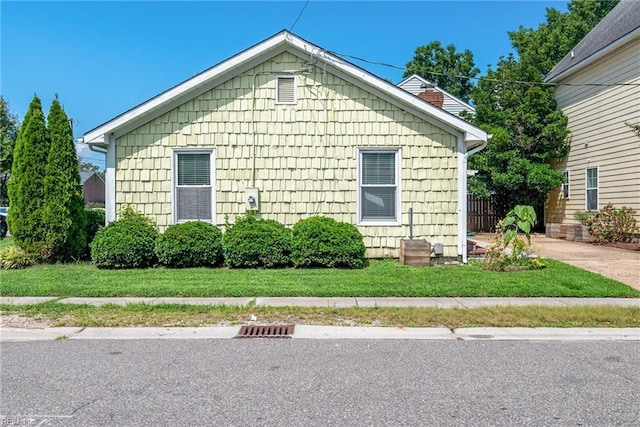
{"x":522,"y":82}
{"x":299,"y":15}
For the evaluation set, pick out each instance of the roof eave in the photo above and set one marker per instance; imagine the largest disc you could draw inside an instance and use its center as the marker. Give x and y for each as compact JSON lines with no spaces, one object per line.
{"x":592,"y":58}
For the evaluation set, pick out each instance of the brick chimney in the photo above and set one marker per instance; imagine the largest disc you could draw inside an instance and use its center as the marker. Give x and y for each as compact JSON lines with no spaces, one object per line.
{"x":432,"y":97}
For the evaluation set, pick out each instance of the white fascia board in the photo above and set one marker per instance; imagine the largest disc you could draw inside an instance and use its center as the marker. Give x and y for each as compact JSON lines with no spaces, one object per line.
{"x":188,"y":86}
{"x":635,"y":34}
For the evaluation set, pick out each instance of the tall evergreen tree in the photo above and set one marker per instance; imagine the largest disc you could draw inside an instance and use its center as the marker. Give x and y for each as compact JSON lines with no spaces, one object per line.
{"x":26,"y":186}
{"x":63,"y":215}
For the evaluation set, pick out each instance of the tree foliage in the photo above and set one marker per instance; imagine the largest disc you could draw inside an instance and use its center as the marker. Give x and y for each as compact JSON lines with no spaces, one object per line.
{"x":529,"y":131}
{"x":443,"y":65}
{"x":9,"y":126}
{"x":63,"y":214}
{"x":26,"y":186}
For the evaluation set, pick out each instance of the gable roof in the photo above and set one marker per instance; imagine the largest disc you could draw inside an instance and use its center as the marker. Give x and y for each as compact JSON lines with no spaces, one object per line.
{"x":427,"y":83}
{"x":619,"y":26}
{"x":85,"y":175}
{"x":283,"y":41}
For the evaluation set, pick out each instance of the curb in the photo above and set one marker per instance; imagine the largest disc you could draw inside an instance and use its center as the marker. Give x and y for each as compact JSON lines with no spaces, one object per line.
{"x":328,"y":332}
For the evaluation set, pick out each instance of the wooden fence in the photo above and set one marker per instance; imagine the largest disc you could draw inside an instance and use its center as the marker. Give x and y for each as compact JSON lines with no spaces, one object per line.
{"x":481,"y":214}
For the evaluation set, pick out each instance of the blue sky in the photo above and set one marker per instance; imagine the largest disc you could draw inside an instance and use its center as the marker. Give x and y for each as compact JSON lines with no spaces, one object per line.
{"x":102,"y":58}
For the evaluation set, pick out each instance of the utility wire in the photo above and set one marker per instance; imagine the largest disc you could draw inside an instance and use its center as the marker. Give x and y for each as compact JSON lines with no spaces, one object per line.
{"x":522,"y":82}
{"x":299,"y":15}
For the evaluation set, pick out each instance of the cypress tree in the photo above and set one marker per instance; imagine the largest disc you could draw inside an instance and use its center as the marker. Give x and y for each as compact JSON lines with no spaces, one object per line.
{"x":26,"y":186}
{"x":63,"y":214}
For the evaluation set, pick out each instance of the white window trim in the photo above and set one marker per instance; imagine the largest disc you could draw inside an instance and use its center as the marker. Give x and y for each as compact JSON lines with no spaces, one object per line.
{"x":587,"y":188}
{"x":566,"y":171}
{"x":379,"y":222}
{"x":174,"y":181}
{"x":295,"y":89}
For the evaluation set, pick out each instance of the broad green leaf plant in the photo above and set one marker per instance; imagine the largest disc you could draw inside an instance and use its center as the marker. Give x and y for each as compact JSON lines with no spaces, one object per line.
{"x":511,"y":249}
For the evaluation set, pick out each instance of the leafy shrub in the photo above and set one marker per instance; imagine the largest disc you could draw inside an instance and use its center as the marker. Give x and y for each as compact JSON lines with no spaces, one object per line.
{"x":128,"y":242}
{"x":324,"y":242}
{"x":14,"y":257}
{"x":512,"y":245}
{"x":611,"y":224}
{"x":95,"y":221}
{"x":190,"y":244}
{"x":252,"y":242}
{"x":583,"y":217}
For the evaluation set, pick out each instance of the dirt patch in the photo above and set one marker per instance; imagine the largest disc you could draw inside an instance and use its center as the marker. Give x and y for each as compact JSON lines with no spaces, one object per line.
{"x":17,"y":321}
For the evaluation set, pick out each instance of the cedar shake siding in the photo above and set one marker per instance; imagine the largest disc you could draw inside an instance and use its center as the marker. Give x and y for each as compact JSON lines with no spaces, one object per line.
{"x":306,"y":155}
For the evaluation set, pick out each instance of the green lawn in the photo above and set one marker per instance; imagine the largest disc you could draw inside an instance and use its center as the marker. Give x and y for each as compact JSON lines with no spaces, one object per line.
{"x":6,"y":242}
{"x":176,"y":315}
{"x":380,"y":279}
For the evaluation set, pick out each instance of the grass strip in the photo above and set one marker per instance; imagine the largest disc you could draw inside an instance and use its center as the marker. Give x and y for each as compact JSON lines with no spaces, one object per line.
{"x":175,"y":315}
{"x":382,"y":278}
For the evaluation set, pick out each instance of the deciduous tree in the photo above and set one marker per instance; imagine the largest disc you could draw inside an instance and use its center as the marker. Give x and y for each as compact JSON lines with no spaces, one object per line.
{"x":9,"y":126}
{"x":446,"y":67}
{"x":514,"y":104}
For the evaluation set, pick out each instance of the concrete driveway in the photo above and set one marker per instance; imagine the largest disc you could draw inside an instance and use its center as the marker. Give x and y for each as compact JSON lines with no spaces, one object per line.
{"x":618,"y":264}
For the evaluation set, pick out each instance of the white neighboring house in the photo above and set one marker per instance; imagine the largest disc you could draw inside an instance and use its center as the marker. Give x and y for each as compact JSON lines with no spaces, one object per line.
{"x":426,"y":90}
{"x":599,"y":92}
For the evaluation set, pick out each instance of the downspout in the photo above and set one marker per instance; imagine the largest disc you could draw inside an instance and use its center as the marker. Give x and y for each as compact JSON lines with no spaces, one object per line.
{"x":462,"y":192}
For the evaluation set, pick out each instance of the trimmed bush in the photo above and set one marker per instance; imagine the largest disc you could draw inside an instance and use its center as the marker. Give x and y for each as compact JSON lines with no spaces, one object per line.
{"x":251,"y":243}
{"x":190,"y":244}
{"x":324,"y":242}
{"x":128,"y":242}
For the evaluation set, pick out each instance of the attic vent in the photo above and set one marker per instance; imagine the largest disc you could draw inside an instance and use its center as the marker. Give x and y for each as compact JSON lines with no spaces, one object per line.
{"x":285,"y":90}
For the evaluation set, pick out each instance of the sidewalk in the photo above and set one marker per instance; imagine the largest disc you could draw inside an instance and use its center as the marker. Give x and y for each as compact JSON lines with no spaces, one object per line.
{"x":351,"y":302}
{"x":618,"y":264}
{"x":8,"y":334}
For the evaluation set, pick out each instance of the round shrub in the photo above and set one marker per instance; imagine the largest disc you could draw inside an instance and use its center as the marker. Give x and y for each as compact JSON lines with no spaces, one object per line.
{"x":190,"y":244}
{"x":251,"y":243}
{"x":324,"y":242}
{"x":128,"y":242}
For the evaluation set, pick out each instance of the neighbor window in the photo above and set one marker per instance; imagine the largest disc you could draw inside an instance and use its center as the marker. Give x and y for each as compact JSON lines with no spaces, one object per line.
{"x":378,"y":186}
{"x":565,"y":184}
{"x":592,"y":189}
{"x":285,"y":90}
{"x":193,"y":180}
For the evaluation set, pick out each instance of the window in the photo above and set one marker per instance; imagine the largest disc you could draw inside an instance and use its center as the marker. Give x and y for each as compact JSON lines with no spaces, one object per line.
{"x":378,"y":186}
{"x":193,"y":180}
{"x":592,"y":189}
{"x":285,"y":90}
{"x":565,"y":184}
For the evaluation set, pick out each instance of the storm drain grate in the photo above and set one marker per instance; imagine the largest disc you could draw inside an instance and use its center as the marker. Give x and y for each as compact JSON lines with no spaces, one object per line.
{"x":266,"y":331}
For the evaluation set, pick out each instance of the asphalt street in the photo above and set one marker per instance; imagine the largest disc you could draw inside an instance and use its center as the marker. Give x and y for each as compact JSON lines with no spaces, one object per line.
{"x":256,"y":382}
